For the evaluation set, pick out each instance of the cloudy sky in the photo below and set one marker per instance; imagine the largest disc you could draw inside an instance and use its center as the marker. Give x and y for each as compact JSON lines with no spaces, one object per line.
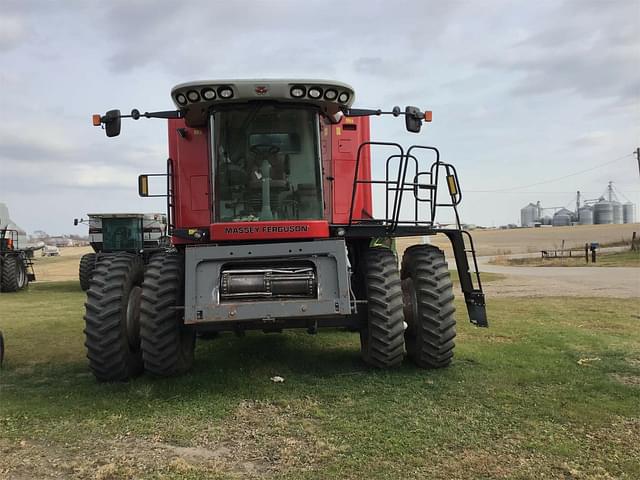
{"x":523,"y":92}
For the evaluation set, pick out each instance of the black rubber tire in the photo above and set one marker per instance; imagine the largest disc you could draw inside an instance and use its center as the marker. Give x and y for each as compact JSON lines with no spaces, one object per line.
{"x":429,"y":308}
{"x":14,"y":274}
{"x":87,"y":265}
{"x":113,"y":355}
{"x":382,"y":335}
{"x":167,"y":344}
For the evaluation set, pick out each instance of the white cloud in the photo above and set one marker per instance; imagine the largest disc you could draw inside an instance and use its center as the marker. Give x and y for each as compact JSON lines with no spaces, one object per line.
{"x":12,"y":32}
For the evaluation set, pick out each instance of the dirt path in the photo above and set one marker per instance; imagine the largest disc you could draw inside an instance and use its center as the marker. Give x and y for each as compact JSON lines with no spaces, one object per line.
{"x":616,"y":282}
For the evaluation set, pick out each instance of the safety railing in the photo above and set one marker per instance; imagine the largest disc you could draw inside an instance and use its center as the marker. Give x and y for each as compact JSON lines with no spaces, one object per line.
{"x":422,"y":184}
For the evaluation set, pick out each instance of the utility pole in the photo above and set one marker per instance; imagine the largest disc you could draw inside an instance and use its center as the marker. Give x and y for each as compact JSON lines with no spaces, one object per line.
{"x":637,"y":152}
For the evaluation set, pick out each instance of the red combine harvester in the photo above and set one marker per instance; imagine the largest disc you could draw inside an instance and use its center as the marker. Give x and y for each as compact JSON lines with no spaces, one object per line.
{"x":270,"y":188}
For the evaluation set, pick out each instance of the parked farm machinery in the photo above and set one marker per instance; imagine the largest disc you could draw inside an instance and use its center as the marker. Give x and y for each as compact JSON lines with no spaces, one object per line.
{"x":270,"y":186}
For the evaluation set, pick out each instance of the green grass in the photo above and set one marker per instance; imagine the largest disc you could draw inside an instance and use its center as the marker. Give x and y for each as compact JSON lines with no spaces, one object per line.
{"x":550,"y":390}
{"x":615,"y":259}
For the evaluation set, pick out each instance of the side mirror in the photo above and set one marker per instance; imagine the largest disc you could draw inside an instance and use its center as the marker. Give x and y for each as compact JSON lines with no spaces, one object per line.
{"x":143,"y":185}
{"x":75,"y":222}
{"x":413,"y":119}
{"x":144,"y":190}
{"x":112,"y":123}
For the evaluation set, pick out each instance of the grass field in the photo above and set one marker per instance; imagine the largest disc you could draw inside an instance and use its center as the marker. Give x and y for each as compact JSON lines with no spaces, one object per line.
{"x":551,"y":390}
{"x":615,"y":259}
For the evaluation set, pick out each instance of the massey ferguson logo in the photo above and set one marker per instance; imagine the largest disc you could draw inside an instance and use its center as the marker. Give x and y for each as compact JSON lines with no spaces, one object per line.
{"x":249,"y":229}
{"x":262,"y":89}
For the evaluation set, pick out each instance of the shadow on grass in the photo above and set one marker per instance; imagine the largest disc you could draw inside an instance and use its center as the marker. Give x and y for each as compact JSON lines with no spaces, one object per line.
{"x":224,"y":367}
{"x":70,"y":286}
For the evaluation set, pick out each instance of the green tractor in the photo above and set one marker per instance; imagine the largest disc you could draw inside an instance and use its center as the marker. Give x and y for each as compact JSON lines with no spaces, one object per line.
{"x":138,"y":234}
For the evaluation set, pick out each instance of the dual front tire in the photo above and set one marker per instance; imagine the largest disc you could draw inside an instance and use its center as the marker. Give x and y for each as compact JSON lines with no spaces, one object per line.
{"x":133,"y":317}
{"x":410,"y":309}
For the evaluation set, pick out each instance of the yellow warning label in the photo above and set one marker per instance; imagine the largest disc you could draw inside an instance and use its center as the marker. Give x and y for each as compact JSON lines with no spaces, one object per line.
{"x":338,"y":131}
{"x":348,"y":120}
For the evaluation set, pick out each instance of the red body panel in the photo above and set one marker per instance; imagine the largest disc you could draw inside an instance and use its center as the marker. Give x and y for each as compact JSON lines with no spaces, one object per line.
{"x":191,"y":175}
{"x":189,"y":150}
{"x":346,"y":137}
{"x":288,"y":229}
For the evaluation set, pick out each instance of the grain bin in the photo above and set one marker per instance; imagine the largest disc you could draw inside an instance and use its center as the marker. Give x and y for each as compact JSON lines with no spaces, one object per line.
{"x":603,"y":213}
{"x":628,"y":213}
{"x":529,"y":215}
{"x":562,"y":218}
{"x":617,"y":212}
{"x":585,"y":215}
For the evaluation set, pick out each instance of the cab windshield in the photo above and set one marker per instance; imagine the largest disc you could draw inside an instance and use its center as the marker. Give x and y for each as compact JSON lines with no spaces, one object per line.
{"x":266,"y":164}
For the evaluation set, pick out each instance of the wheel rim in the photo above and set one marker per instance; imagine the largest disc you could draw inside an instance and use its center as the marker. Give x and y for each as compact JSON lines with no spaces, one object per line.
{"x":133,"y":318}
{"x":20,"y":276}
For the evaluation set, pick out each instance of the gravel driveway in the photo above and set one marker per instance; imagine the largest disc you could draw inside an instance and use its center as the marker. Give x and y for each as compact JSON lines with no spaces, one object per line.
{"x":616,"y":282}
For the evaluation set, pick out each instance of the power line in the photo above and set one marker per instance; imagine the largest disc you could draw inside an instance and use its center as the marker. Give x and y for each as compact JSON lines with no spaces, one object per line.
{"x":500,"y":190}
{"x":540,"y":193}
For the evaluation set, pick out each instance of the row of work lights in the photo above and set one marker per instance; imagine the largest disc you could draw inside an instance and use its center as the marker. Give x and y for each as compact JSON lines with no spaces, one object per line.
{"x":317,"y":93}
{"x":208,"y":93}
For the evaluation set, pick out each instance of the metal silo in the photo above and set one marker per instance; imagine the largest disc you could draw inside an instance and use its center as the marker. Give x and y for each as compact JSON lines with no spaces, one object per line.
{"x":617,"y":212}
{"x":628,"y":213}
{"x":603,"y":212}
{"x":546,"y":220}
{"x":585,"y":215}
{"x":562,"y":218}
{"x":528,"y":215}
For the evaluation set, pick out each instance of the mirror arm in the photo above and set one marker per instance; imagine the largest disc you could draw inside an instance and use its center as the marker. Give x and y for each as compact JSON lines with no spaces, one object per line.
{"x":396,"y":112}
{"x":135,"y":114}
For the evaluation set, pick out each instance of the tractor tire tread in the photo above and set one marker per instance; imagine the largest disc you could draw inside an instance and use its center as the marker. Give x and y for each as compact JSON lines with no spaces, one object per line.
{"x":110,"y":358}
{"x":167,"y":346}
{"x":433,"y":344}
{"x":383,"y":342}
{"x":9,"y":281}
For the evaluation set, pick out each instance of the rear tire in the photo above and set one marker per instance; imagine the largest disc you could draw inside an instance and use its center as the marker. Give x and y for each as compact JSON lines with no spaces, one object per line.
{"x":167,"y":344}
{"x":113,"y":351}
{"x":429,"y":308}
{"x":381,"y":338}
{"x":87,"y":265}
{"x":14,"y":274}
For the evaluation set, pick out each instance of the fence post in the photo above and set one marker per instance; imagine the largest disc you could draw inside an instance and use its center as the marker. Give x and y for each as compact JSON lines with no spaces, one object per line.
{"x":586,"y":252}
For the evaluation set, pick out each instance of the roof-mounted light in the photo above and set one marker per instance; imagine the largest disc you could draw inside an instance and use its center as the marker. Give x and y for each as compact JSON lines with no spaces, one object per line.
{"x":330,"y":94}
{"x":315,"y":93}
{"x":225,"y":92}
{"x":208,"y":93}
{"x":344,"y":97}
{"x":298,"y":91}
{"x":181,"y":99}
{"x":193,"y":96}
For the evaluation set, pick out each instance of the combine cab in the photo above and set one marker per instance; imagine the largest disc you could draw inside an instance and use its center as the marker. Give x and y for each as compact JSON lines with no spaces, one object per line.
{"x":270,"y":187}
{"x":110,"y":233}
